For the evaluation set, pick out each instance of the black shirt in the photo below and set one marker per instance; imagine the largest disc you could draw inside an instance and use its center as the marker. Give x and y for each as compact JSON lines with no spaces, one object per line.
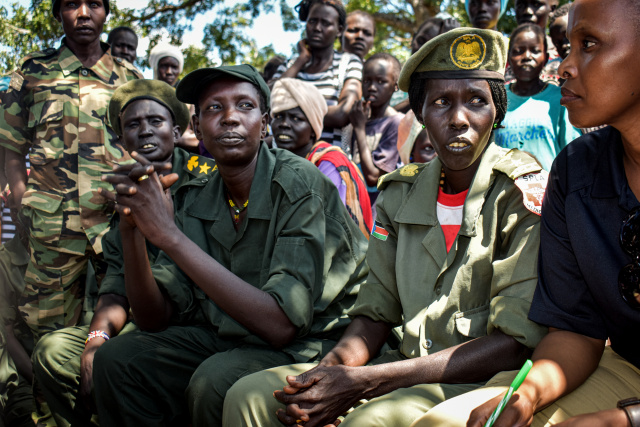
{"x":586,"y":201}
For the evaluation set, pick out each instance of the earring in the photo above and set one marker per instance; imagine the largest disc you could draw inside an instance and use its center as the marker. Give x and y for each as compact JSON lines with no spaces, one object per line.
{"x":423,"y":126}
{"x":495,"y":126}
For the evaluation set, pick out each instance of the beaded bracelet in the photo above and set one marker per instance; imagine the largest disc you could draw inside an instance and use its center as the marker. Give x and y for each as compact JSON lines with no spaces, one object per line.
{"x":96,"y":334}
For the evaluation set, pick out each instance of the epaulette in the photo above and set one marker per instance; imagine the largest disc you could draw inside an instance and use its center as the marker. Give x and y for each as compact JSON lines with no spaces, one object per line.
{"x":129,"y":66}
{"x":39,"y":54}
{"x":408,"y":173}
{"x":517,"y":163}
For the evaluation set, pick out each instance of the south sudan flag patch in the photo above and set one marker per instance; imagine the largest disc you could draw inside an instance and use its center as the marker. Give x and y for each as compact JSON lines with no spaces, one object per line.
{"x":379,"y":232}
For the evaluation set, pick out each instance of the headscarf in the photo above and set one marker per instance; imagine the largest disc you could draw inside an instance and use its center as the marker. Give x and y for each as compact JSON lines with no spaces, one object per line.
{"x":288,"y":93}
{"x":163,"y":50}
{"x":503,"y":7}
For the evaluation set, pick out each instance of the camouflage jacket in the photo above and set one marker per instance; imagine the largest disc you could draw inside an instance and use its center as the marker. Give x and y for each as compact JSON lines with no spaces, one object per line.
{"x":56,"y":109}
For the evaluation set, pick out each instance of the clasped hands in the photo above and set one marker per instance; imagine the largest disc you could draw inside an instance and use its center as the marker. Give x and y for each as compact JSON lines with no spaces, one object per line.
{"x":142,"y":196}
{"x":319,"y":396}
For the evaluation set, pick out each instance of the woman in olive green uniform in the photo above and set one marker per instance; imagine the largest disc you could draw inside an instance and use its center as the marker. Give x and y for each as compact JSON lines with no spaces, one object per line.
{"x":452,"y":259}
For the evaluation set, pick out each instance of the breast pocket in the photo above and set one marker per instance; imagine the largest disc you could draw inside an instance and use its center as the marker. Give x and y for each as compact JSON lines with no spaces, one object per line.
{"x":42,"y":212}
{"x":473,"y":323}
{"x":45,"y":118}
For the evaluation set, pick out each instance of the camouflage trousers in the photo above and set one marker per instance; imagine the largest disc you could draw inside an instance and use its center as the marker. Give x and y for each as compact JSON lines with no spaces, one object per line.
{"x":54,"y":291}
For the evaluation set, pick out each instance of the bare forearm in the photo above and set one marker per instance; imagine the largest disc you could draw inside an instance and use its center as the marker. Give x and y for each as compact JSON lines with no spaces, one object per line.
{"x":110,"y":315}
{"x":473,"y":361}
{"x":16,"y":171}
{"x":253,"y":308}
{"x":370,"y":170}
{"x":150,"y":308}
{"x":338,"y":115}
{"x":295,"y":68}
{"x":562,"y":361}
{"x":361,"y":341}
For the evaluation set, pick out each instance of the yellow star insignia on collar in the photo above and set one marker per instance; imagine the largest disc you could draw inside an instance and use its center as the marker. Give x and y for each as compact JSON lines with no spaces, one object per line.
{"x":193,"y":163}
{"x":204,"y":168}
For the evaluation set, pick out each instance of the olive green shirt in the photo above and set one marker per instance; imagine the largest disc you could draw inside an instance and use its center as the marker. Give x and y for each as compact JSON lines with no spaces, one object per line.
{"x":188,"y":166}
{"x":297,"y":243}
{"x":485,"y":282}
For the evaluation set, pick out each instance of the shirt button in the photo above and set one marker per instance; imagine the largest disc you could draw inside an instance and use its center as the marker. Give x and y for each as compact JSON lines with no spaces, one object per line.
{"x":427,"y":344}
{"x":84,"y":72}
{"x":438,"y":289}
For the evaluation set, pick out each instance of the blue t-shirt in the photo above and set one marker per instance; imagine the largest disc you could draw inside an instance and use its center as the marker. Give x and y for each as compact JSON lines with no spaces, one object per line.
{"x":537,"y":124}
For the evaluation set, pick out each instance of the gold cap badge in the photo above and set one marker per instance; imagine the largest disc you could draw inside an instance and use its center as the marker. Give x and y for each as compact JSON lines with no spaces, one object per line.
{"x":468,"y":51}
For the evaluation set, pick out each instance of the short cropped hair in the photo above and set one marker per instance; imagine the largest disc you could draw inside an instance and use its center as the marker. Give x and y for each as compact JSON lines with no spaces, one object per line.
{"x":389,"y":58}
{"x":117,"y":30}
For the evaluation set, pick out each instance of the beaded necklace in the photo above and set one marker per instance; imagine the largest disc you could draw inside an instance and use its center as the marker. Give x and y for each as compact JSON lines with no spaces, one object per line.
{"x":237,"y":210}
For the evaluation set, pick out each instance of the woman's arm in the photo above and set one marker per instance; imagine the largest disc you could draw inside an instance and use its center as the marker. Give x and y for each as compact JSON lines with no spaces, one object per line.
{"x":304,"y":56}
{"x":338,"y":115}
{"x":562,"y":361}
{"x":328,"y":391}
{"x":16,"y":171}
{"x":110,"y":316}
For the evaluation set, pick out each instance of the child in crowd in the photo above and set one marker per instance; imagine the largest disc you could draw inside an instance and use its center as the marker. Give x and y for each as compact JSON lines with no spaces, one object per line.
{"x":535,"y":121}
{"x":538,"y":12}
{"x":375,"y":123}
{"x":297,"y":111}
{"x":485,"y":14}
{"x":558,"y":35}
{"x":414,"y":144}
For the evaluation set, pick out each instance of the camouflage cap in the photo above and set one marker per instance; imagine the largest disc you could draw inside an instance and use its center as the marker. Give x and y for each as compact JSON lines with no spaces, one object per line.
{"x":55,"y":6}
{"x":190,"y":87}
{"x":154,"y":90}
{"x":462,"y":53}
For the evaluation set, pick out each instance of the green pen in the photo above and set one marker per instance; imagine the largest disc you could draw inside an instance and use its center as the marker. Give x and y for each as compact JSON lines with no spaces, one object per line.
{"x":514,"y":386}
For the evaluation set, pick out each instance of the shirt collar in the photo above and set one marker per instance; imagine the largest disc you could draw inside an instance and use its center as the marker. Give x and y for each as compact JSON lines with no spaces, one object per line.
{"x":69,"y":62}
{"x":212,"y":201}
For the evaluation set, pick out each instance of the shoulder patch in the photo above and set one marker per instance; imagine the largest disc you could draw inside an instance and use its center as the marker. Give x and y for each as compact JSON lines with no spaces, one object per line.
{"x":533,"y":186}
{"x":39,"y":54}
{"x":407,"y":173}
{"x":199,"y":165}
{"x":16,"y":81}
{"x":379,"y":232}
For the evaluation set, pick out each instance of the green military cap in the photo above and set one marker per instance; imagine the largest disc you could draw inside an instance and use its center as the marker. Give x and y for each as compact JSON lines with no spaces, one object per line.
{"x":55,"y":6}
{"x":190,"y":88}
{"x":154,"y":90}
{"x":462,"y":53}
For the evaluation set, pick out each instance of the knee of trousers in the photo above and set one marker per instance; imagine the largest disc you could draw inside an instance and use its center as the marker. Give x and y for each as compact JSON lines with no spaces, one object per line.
{"x":107,"y":360}
{"x":46,"y":358}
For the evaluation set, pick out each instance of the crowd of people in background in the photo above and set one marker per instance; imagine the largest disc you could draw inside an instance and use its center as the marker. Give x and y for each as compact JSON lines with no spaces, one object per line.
{"x":381,"y":243}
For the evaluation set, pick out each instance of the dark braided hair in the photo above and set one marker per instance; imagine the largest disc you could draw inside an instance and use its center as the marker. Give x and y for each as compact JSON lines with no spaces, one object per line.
{"x":417,"y":95}
{"x":304,"y":7}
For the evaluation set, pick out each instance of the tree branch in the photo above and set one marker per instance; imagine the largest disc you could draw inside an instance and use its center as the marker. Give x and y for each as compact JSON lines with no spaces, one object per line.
{"x":168,"y":9}
{"x":395,"y":21}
